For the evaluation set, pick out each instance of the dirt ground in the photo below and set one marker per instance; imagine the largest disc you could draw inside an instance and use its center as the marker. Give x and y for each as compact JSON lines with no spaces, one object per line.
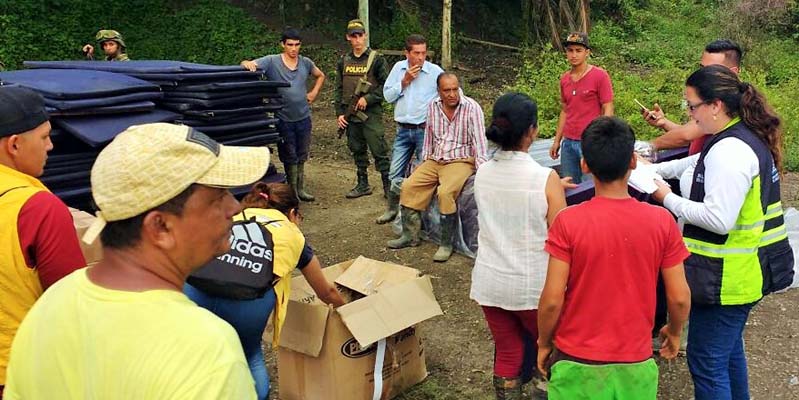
{"x":458,"y":344}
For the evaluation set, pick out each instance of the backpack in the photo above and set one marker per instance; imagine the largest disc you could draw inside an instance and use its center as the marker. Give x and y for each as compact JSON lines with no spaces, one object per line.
{"x":245,"y":272}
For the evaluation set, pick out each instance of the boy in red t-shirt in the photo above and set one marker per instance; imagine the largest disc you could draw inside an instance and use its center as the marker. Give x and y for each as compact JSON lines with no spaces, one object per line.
{"x":585,"y":93}
{"x":597,"y":308}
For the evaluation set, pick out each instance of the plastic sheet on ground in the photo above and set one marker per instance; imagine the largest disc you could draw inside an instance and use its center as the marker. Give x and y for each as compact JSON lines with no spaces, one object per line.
{"x":141,"y":66}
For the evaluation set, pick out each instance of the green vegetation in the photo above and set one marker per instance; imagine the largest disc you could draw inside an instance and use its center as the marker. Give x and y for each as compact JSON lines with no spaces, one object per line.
{"x":205,"y":31}
{"x":651,"y":51}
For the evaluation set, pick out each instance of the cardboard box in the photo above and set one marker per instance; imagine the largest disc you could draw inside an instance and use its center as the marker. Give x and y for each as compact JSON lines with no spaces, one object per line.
{"x":331,"y":354}
{"x":82,"y":221}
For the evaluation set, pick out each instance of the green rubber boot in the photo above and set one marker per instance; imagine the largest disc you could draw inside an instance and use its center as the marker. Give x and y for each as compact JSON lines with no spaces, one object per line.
{"x":447,"y":231}
{"x":411,"y":225}
{"x":301,"y":193}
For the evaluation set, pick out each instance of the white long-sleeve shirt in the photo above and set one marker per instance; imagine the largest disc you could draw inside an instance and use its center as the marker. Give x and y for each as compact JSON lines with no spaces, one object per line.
{"x":730,"y":168}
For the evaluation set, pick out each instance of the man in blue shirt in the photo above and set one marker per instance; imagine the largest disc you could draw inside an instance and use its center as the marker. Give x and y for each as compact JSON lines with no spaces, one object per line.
{"x":295,"y":116}
{"x":411,"y":85}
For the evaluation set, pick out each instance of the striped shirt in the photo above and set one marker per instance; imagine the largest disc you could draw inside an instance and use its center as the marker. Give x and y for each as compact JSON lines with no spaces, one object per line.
{"x":462,"y":137}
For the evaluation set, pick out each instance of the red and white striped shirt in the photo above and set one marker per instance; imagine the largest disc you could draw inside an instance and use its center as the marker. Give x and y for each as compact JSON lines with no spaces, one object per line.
{"x":462,"y":137}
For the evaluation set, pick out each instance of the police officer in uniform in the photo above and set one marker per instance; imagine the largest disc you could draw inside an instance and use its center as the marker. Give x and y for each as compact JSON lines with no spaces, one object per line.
{"x":112,"y":44}
{"x":365,"y":128}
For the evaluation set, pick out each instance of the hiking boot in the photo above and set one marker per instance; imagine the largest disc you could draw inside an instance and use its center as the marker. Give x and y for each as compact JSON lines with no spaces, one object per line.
{"x":411,"y":225}
{"x":301,"y":193}
{"x":447,"y":231}
{"x":507,"y":388}
{"x":362,"y":188}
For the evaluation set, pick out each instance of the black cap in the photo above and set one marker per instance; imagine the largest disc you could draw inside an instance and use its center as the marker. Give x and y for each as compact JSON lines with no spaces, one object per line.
{"x":21,"y":110}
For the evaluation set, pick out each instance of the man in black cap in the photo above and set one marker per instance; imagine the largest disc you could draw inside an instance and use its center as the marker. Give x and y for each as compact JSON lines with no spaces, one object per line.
{"x":38,"y":243}
{"x":362,"y":73}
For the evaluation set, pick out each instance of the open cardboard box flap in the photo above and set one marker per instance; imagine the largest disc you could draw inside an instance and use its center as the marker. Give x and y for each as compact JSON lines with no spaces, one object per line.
{"x":366,"y":276}
{"x":307,"y":334}
{"x":390,"y":310}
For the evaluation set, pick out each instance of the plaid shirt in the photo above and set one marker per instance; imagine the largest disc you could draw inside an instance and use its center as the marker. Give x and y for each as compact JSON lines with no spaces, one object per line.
{"x":461,"y":138}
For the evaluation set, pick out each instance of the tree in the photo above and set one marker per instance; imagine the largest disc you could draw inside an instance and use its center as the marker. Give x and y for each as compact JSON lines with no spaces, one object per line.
{"x":550,"y":19}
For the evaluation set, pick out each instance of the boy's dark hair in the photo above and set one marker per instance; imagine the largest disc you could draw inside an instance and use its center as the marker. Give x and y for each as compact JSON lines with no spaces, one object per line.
{"x":290,"y":33}
{"x":731,"y":50}
{"x":413,"y":40}
{"x":607,"y":146}
{"x":127,"y":232}
{"x":513,"y":115}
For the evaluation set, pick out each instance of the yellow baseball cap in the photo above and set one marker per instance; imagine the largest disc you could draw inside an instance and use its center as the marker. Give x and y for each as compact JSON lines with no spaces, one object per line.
{"x":147,"y":165}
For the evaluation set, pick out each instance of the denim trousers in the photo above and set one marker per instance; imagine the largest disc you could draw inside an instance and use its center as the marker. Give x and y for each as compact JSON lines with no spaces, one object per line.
{"x":248,"y":318}
{"x":296,"y":141}
{"x":407,"y":143}
{"x":570,"y":155}
{"x":715,"y":351}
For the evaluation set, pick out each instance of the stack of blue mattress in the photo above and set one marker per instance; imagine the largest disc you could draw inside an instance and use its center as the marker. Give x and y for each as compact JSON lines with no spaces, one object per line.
{"x":91,"y":102}
{"x":228,"y":103}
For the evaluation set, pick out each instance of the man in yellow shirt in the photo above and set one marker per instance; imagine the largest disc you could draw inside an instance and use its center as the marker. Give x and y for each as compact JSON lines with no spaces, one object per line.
{"x":123,"y":329}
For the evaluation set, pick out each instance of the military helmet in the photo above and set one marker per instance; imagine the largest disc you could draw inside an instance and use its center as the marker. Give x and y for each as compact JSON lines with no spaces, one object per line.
{"x":109,"y":34}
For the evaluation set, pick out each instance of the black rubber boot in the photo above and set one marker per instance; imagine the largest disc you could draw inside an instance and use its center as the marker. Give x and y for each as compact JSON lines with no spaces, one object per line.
{"x":362,"y":188}
{"x":301,"y":193}
{"x":447,"y":232}
{"x":411,"y":225}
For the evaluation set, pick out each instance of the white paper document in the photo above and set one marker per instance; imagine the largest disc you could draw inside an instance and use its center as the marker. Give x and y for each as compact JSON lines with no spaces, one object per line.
{"x":643,"y":178}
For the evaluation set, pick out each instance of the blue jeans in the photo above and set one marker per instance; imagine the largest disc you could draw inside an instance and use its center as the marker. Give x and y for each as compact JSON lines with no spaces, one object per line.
{"x":248,"y":318}
{"x":407,"y":143}
{"x":570,"y":155}
{"x":293,"y":149}
{"x":715,"y":351}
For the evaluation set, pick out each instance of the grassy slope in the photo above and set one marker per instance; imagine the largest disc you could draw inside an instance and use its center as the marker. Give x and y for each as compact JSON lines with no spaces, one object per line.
{"x":649,"y":57}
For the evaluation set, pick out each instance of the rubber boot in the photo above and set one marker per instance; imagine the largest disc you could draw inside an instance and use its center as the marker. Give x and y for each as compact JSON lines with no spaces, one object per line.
{"x":392,"y":209}
{"x":301,"y":193}
{"x":508,"y":388}
{"x":392,"y":203}
{"x":362,"y":188}
{"x":447,"y":231}
{"x":291,"y":176}
{"x":411,"y":225}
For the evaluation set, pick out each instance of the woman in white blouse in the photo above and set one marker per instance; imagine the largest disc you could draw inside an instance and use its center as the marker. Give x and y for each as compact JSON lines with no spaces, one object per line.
{"x":516,"y":199}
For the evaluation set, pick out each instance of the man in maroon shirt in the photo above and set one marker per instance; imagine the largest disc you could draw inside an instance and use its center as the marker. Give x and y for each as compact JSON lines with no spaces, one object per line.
{"x":597,"y":308}
{"x":585,"y":93}
{"x":38,"y":243}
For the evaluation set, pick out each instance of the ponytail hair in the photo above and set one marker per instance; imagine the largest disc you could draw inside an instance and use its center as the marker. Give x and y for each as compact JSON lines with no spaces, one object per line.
{"x":278,"y":196}
{"x":513,"y":115}
{"x":758,"y":115}
{"x":717,"y":82}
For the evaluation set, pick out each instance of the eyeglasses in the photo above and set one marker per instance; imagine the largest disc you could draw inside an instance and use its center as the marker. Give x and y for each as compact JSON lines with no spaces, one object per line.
{"x":692,"y":107}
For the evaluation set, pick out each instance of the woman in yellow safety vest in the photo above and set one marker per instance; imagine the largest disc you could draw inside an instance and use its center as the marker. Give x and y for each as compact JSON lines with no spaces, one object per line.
{"x":733,"y":224}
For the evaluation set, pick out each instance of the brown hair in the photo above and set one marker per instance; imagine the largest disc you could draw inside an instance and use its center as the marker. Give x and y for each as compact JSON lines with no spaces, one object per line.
{"x":741,"y":99}
{"x":278,"y":196}
{"x":414,"y":39}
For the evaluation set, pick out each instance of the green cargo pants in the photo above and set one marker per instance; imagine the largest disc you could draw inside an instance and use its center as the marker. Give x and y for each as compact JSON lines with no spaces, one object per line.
{"x":573,"y":381}
{"x":371,"y":135}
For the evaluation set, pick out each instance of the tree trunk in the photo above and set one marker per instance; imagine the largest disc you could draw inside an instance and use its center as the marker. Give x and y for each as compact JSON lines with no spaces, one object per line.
{"x":363,"y":15}
{"x":446,"y":37}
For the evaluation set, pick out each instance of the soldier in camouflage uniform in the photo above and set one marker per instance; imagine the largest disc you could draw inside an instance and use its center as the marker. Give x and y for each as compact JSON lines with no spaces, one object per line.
{"x":112,"y":44}
{"x":369,"y":133}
